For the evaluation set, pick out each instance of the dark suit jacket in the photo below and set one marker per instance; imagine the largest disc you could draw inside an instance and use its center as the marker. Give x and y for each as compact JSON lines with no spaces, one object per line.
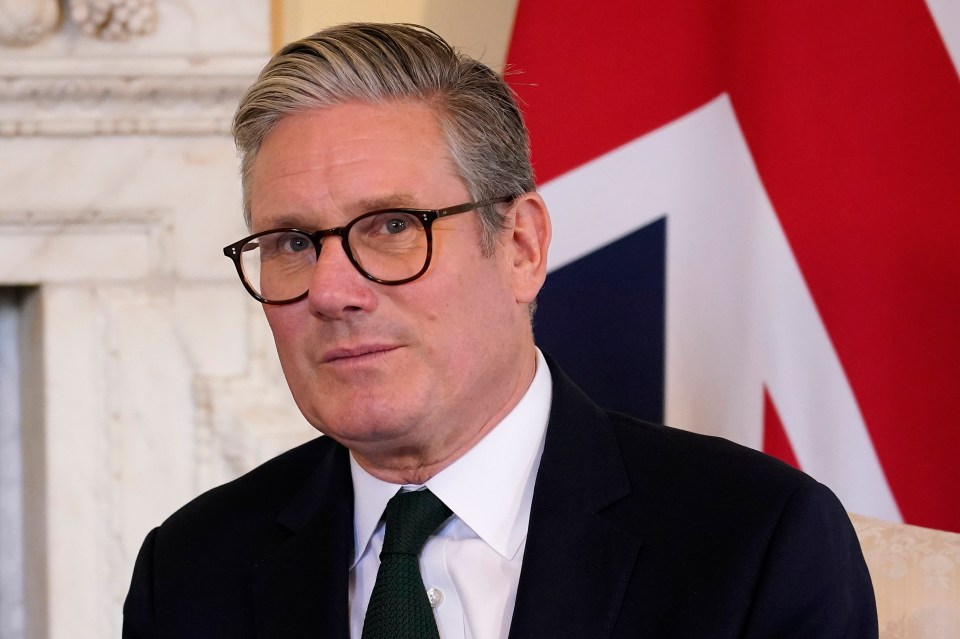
{"x":636,"y":530}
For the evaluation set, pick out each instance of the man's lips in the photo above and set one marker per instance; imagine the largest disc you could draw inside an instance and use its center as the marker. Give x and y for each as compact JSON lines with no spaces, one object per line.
{"x":353,"y":353}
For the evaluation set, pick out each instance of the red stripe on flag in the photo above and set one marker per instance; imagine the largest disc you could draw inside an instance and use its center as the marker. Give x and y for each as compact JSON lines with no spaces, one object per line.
{"x":852,"y":113}
{"x":594,"y":78}
{"x":775,"y":440}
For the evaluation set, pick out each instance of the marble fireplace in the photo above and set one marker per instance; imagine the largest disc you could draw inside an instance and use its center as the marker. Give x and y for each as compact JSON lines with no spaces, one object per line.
{"x":138,"y":372}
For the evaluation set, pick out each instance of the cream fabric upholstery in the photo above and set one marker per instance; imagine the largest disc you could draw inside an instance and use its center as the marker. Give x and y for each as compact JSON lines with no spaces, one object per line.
{"x":916,"y":575}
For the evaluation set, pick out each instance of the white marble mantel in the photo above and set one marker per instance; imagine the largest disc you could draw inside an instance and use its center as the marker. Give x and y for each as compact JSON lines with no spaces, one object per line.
{"x":155,"y":377}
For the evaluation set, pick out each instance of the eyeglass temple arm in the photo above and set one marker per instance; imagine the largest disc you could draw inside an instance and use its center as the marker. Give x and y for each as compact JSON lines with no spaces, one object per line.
{"x":469,"y":206}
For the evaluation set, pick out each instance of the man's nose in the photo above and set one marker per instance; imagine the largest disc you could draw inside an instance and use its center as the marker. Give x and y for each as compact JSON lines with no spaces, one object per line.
{"x":337,"y":288}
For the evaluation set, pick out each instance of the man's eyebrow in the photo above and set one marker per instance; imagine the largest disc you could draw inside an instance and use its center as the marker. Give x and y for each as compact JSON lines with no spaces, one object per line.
{"x":390,"y":201}
{"x":285,"y":221}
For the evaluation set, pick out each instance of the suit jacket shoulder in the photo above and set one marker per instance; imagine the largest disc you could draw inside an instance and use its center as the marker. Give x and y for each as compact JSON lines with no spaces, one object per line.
{"x":260,"y":493}
{"x":640,"y":529}
{"x":233,"y":562}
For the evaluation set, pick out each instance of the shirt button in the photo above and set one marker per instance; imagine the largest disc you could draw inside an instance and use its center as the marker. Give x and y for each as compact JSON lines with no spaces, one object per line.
{"x":435,"y":597}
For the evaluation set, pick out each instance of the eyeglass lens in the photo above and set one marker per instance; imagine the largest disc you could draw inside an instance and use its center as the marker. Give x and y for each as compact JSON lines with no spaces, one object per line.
{"x":389,"y":246}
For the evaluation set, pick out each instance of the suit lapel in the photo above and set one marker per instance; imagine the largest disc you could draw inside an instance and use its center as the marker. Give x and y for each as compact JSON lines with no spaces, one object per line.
{"x":300,"y":586}
{"x":576,"y":563}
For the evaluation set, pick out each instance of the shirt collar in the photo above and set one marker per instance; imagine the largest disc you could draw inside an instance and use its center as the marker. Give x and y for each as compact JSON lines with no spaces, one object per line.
{"x":490,"y":488}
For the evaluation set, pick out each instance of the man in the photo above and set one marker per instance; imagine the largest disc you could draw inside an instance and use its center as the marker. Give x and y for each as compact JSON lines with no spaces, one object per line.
{"x":407,"y":341}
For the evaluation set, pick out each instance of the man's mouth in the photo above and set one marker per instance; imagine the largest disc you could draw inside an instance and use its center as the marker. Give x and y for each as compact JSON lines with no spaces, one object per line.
{"x":357,"y":353}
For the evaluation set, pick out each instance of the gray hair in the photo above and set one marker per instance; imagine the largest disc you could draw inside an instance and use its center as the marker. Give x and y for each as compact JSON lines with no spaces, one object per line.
{"x":379,"y":63}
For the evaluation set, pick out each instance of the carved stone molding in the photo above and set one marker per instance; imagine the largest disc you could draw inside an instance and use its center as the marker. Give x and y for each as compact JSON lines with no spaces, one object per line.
{"x":115,"y":19}
{"x":72,"y":105}
{"x":69,"y":246}
{"x":26,"y":22}
{"x":81,"y":221}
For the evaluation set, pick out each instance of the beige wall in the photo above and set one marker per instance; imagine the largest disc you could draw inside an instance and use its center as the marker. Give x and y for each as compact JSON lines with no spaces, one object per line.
{"x":480,"y":29}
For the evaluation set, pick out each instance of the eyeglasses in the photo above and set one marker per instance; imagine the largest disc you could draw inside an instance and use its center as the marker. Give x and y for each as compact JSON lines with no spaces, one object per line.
{"x":388,"y":246}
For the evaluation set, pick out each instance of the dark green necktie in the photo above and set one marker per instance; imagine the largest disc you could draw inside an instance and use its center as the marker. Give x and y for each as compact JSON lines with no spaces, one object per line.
{"x":399,"y":608}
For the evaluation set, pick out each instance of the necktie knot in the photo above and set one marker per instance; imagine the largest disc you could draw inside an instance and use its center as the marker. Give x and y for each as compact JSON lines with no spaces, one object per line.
{"x":411,"y":518}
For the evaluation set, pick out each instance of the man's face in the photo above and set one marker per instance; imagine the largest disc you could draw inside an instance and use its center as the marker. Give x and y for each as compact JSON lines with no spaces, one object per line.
{"x":406,"y":376}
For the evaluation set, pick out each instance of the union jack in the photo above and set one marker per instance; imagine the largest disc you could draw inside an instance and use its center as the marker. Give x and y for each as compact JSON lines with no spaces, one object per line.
{"x":757,"y":227}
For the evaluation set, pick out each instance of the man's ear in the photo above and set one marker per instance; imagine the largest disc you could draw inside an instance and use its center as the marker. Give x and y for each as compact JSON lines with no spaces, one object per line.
{"x":529,"y":240}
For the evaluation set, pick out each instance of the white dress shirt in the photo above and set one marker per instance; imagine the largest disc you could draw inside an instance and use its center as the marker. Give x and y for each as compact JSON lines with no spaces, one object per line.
{"x":471,"y":567}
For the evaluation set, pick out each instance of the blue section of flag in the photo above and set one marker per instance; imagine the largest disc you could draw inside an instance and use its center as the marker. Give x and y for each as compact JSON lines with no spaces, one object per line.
{"x":602,"y":317}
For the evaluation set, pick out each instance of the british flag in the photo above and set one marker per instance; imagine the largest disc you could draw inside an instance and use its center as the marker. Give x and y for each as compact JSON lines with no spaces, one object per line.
{"x":757,"y":227}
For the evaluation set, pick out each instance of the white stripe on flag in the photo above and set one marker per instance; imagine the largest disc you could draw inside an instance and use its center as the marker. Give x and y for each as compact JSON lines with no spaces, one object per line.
{"x":946,"y":15}
{"x":739,"y":314}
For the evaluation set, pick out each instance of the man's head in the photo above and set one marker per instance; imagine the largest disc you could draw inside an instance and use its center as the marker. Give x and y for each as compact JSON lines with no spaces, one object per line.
{"x":384,"y":63}
{"x":367,"y":117}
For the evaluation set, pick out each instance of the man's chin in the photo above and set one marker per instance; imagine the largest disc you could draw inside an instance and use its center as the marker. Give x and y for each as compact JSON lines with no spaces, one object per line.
{"x":372,"y":429}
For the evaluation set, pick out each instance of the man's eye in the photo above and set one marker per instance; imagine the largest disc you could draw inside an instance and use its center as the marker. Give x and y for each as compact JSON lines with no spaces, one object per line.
{"x":395,"y":225}
{"x":387,"y":225}
{"x":294,"y":243}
